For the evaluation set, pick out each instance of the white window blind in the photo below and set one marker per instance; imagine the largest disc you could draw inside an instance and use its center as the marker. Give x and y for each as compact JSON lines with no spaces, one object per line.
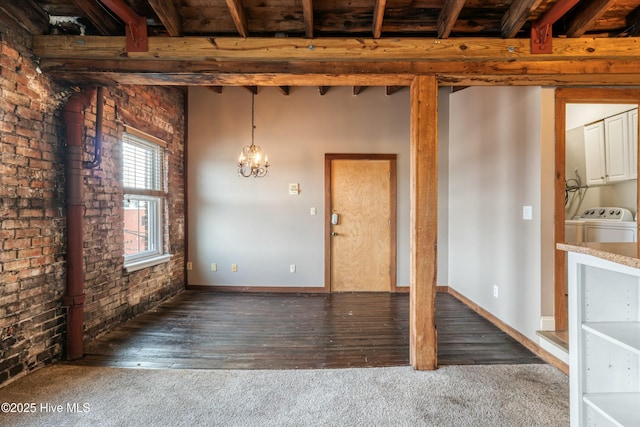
{"x":142,"y":163}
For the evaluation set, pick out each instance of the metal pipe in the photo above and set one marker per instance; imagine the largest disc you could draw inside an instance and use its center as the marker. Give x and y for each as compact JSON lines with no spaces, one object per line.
{"x":74,"y":294}
{"x":97,"y":143}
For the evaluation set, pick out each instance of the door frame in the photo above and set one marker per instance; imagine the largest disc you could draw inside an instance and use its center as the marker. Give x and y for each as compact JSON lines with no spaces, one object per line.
{"x":564,"y":96}
{"x":393,"y":196}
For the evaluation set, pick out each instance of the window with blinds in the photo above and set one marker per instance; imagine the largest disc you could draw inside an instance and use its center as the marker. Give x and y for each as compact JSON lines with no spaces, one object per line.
{"x":143,"y":204}
{"x":142,"y":163}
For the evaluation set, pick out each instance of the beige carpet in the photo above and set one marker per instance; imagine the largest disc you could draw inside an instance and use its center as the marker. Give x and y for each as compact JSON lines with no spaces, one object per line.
{"x":497,"y":395}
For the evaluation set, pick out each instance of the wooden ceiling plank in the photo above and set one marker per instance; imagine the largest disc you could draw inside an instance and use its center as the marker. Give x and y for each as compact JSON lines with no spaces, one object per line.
{"x":307,"y":16}
{"x":239,"y":18}
{"x":341,"y":50}
{"x":378,"y":17}
{"x":633,"y":22}
{"x":104,"y":22}
{"x":517,"y":16}
{"x":28,"y":14}
{"x":586,"y":16}
{"x":168,"y":14}
{"x":448,"y":17}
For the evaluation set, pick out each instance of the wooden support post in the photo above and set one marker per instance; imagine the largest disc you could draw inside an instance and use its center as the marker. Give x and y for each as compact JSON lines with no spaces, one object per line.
{"x":424,"y":222}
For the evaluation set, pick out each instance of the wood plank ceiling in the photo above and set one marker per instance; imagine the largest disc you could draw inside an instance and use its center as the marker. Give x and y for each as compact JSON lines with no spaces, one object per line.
{"x":321,"y":42}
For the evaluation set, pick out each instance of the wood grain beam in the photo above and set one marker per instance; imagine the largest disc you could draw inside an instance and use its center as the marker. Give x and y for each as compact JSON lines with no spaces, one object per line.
{"x":307,"y":17}
{"x":28,"y":14}
{"x":378,"y":17}
{"x":239,"y":18}
{"x":448,"y":17}
{"x":423,"y":344}
{"x":105,"y":22}
{"x":168,"y":14}
{"x":633,"y":22}
{"x":586,"y":16}
{"x":340,"y":50}
{"x":517,"y":16}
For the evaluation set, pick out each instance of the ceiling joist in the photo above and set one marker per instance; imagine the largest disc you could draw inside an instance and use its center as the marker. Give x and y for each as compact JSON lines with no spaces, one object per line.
{"x":448,"y":17}
{"x":587,"y":16}
{"x":239,"y":19}
{"x":27,"y":14}
{"x":378,"y":17}
{"x":517,"y":16}
{"x":168,"y":15}
{"x":307,"y":17}
{"x":104,"y":22}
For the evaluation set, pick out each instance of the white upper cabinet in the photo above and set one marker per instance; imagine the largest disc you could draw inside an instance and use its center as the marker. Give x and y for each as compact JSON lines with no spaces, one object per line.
{"x":594,"y":153}
{"x":616,"y":138}
{"x":611,"y":149}
{"x":633,"y":143}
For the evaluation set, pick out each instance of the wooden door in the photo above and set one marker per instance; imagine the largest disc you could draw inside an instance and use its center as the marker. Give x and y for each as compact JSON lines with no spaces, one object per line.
{"x":362,"y":243}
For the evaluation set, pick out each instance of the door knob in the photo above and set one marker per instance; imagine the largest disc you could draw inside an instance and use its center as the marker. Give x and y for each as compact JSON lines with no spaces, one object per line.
{"x":333,"y":233}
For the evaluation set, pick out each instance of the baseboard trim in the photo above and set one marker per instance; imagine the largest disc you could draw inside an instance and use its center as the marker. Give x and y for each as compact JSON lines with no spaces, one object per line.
{"x":263,"y":289}
{"x":528,"y":343}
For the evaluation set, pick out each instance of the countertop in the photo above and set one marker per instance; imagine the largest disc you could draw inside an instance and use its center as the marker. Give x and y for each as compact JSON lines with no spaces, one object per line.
{"x":620,"y":253}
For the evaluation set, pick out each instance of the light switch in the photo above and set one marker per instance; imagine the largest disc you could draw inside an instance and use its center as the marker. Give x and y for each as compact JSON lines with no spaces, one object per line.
{"x":527,"y":213}
{"x":294,"y":189}
{"x":314,"y":211}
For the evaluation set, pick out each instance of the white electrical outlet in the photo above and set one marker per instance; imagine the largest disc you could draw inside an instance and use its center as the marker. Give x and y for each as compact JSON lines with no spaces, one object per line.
{"x":214,"y":266}
{"x":234,"y":268}
{"x":189,"y":266}
{"x":495,"y":291}
{"x":292,"y":268}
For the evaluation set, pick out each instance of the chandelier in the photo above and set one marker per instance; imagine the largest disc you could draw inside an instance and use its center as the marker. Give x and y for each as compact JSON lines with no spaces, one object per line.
{"x":250,"y":162}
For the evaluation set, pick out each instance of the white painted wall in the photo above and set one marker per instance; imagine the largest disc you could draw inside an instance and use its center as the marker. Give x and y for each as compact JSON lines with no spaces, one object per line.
{"x":496,"y":152}
{"x":255,"y":223}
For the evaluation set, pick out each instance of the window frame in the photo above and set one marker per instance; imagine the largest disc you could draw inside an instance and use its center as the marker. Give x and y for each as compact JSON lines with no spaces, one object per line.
{"x":155,"y":195}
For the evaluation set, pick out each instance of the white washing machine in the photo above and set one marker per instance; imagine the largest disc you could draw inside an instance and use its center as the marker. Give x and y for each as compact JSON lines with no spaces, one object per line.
{"x":602,"y":224}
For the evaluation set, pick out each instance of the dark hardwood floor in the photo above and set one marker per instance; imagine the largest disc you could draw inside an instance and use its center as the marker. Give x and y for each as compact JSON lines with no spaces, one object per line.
{"x":202,"y":330}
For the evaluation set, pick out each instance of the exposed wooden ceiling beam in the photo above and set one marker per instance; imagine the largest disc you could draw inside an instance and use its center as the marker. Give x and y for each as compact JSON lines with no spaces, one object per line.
{"x":168,"y":14}
{"x":283,"y":90}
{"x":448,"y":17}
{"x":28,"y":14}
{"x":104,"y":22}
{"x":378,"y":17}
{"x":354,"y":51}
{"x":517,"y":16}
{"x":307,"y":16}
{"x":633,"y":22}
{"x":586,"y":16}
{"x":323,"y":90}
{"x":237,"y":13}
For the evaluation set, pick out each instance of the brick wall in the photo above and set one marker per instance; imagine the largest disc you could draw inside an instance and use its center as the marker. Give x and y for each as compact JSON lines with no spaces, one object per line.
{"x":32,"y":209}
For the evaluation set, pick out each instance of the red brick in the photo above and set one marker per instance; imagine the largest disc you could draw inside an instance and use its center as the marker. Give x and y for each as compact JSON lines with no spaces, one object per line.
{"x":20,"y":264}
